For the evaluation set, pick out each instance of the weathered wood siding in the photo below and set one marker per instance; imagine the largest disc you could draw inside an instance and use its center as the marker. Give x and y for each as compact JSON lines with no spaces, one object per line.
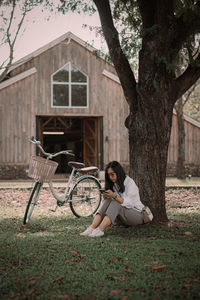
{"x":18,"y":120}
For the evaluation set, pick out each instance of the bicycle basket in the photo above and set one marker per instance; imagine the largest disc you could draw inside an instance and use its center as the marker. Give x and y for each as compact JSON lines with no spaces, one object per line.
{"x":41,"y":168}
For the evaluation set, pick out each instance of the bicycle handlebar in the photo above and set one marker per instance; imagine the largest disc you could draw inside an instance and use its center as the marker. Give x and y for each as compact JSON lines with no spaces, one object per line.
{"x":50,"y":155}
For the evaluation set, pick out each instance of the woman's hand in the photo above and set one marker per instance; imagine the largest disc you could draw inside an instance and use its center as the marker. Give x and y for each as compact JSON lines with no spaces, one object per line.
{"x":109,"y":194}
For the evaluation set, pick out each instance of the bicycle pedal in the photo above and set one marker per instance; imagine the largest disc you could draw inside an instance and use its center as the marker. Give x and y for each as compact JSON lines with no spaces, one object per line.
{"x":60,"y":203}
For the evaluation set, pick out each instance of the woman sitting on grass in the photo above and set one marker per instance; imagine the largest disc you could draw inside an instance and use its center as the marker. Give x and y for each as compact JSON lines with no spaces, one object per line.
{"x":121,"y":202}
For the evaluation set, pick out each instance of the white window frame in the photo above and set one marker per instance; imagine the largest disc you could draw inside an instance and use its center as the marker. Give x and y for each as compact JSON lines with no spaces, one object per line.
{"x":70,"y":84}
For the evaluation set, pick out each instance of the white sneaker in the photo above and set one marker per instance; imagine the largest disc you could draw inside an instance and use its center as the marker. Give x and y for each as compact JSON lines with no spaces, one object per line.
{"x":88,"y":231}
{"x":96,"y":233}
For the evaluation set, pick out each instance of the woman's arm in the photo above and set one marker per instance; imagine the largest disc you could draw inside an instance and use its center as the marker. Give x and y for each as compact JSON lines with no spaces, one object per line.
{"x":111,"y":194}
{"x":118,"y":199}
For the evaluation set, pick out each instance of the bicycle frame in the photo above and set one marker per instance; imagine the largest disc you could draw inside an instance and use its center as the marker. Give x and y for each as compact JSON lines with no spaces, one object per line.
{"x":83,"y":195}
{"x":65,"y":197}
{"x":61,"y":200}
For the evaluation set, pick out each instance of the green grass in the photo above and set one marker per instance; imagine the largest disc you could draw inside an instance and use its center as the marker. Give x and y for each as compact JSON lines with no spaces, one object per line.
{"x":48,"y":259}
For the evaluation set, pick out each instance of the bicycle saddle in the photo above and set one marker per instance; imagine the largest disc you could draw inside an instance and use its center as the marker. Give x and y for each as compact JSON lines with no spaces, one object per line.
{"x":88,"y":169}
{"x":76,"y":164}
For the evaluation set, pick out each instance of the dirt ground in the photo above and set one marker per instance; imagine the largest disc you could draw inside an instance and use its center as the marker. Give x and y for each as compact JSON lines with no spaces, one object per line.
{"x":174,"y":197}
{"x":15,"y":201}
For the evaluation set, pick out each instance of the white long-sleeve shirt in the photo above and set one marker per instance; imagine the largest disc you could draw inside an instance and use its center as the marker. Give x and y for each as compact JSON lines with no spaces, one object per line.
{"x":131,"y":194}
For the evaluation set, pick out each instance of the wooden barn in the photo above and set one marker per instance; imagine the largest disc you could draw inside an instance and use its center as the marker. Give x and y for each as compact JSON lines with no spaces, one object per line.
{"x":69,"y":97}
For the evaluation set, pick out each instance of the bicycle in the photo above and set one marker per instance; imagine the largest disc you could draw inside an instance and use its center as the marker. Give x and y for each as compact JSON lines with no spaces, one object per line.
{"x":82,"y":189}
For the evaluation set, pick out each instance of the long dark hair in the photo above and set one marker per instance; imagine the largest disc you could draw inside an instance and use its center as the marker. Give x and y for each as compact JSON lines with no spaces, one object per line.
{"x":117,"y":168}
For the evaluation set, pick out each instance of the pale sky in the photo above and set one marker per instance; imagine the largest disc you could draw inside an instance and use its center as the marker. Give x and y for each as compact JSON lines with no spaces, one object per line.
{"x":40,"y":31}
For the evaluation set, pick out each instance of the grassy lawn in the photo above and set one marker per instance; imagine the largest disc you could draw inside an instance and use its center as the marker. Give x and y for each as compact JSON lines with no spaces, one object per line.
{"x":48,"y":259}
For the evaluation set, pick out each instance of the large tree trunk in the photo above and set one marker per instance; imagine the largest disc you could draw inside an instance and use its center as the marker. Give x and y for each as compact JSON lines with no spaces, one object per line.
{"x":148,"y":140}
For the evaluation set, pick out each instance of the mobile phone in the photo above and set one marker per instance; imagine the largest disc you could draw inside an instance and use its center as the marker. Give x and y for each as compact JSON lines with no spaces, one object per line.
{"x":102,"y":191}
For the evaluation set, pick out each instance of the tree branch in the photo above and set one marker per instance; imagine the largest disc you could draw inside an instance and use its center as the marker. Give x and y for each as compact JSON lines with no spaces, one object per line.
{"x":158,"y":21}
{"x":186,"y":80}
{"x":119,"y":60}
{"x":12,"y":43}
{"x":147,"y":11}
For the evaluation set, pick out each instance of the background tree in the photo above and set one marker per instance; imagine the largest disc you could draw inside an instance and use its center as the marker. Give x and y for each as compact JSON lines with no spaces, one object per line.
{"x":12,"y":17}
{"x":166,"y":25}
{"x":179,"y":107}
{"x":192,"y":106}
{"x":186,"y":56}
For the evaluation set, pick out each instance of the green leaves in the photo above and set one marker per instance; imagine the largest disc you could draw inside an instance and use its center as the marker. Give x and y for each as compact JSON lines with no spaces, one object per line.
{"x":77,"y":6}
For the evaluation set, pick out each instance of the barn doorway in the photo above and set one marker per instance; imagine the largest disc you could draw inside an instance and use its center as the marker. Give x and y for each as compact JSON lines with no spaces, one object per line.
{"x":81,"y":135}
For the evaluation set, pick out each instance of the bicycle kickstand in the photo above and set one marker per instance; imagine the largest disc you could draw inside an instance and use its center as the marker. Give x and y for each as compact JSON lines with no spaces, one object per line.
{"x":54,"y":210}
{"x":59,"y":204}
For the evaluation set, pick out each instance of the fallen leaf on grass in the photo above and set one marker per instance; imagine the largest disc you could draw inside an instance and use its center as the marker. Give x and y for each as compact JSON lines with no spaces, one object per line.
{"x":42,"y":229}
{"x":58,"y":280}
{"x":114,"y":259}
{"x":188,"y":233}
{"x":122,"y":278}
{"x":93,"y":268}
{"x":114,"y":292}
{"x":21,"y":235}
{"x":65,"y":245}
{"x":78,"y":255}
{"x":31,"y":282}
{"x":128,"y":269}
{"x":14,"y":295}
{"x":156,"y":267}
{"x":193,"y":280}
{"x":66,"y":296}
{"x":30,"y":293}
{"x":160,"y":254}
{"x":158,"y":286}
{"x":75,"y":252}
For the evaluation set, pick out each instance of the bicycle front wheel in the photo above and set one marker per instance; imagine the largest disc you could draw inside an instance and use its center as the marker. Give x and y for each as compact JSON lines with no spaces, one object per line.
{"x":85,"y":197}
{"x":32,"y":201}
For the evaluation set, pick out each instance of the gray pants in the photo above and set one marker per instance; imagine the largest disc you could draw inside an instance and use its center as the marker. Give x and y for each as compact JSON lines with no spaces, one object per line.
{"x":116,"y":212}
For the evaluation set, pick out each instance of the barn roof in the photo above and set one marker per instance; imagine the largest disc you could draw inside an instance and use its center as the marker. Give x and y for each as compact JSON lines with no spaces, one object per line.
{"x":65,"y":38}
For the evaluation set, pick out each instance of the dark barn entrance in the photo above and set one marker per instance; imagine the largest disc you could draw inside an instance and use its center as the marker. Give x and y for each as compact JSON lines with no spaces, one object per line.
{"x":81,"y":135}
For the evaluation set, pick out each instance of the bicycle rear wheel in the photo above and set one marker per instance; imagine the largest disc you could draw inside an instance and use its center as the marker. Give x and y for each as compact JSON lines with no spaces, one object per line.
{"x":85,"y":197}
{"x":32,"y":201}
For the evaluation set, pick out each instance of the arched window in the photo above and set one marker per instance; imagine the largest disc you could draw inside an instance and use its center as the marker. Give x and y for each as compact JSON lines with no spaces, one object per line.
{"x":69,"y":87}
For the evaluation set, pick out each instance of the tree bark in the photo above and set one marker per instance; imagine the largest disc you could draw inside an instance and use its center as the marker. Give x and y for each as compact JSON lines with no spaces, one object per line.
{"x":148,"y":143}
